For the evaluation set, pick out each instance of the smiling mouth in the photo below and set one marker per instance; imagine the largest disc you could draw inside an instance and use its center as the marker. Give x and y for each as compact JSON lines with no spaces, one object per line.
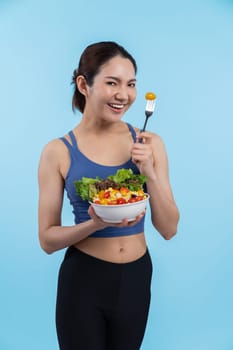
{"x":116,"y":106}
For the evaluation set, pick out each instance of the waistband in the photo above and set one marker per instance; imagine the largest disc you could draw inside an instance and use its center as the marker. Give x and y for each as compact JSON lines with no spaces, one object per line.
{"x":85,"y":257}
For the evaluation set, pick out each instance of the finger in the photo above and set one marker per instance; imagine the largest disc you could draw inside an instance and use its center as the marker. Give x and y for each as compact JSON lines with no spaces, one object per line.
{"x":136,"y":220}
{"x":145,"y":134}
{"x":144,"y":137}
{"x":91,"y":211}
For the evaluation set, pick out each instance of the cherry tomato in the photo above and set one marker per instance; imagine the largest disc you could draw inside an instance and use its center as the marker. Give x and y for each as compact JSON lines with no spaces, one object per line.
{"x":113,"y":202}
{"x":150,"y":96}
{"x":107,"y":194}
{"x":121,"y":201}
{"x":132,"y":200}
{"x":139,"y":198}
{"x":124,"y":190}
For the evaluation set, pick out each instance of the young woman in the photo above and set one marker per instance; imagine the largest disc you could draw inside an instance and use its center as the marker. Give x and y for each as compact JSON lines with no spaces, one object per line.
{"x":104,"y":281}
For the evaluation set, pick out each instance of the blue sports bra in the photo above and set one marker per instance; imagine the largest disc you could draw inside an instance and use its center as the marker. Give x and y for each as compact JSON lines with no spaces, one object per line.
{"x":81,"y":166}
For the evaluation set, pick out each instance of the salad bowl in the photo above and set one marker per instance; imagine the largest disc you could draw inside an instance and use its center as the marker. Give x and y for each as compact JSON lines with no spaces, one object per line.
{"x":116,"y":213}
{"x":117,"y":197}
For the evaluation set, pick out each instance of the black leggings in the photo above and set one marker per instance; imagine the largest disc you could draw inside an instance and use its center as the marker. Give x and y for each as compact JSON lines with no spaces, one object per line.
{"x":102,"y":305}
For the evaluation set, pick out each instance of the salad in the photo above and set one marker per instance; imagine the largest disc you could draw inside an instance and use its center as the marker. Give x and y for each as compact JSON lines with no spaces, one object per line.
{"x":121,"y":188}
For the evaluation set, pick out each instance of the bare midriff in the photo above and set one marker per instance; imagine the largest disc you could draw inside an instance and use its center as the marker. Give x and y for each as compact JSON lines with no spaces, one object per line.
{"x":121,"y":249}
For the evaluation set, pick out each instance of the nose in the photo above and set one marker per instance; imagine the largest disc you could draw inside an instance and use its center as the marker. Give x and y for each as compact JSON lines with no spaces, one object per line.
{"x":122,"y":94}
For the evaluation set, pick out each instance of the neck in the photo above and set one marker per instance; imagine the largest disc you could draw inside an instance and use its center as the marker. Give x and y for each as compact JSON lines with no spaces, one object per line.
{"x":99,"y":125}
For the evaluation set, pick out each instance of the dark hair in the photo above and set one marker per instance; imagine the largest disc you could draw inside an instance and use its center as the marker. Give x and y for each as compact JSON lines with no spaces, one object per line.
{"x":91,"y":60}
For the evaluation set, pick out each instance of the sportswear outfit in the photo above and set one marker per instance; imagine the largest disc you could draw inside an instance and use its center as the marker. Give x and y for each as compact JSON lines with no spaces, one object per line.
{"x":100,"y":305}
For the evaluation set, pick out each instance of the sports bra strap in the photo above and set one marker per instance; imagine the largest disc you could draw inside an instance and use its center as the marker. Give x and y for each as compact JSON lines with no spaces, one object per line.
{"x":74,"y":142}
{"x":73,"y":139}
{"x":66,"y":142}
{"x":133,"y":132}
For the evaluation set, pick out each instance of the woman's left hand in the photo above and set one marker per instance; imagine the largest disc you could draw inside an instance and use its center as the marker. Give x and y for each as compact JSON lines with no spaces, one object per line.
{"x":103,"y":224}
{"x":142,"y":154}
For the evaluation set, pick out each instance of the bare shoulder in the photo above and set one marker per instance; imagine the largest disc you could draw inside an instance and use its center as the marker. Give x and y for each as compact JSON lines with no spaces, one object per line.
{"x":53,"y":150}
{"x":157,"y":140}
{"x":53,"y":156}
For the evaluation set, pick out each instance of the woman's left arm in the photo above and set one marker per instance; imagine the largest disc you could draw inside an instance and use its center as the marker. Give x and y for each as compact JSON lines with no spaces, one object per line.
{"x":151,"y":158}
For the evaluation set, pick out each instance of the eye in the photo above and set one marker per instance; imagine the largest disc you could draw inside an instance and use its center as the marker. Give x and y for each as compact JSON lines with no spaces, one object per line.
{"x":112,"y":83}
{"x":132,"y":85}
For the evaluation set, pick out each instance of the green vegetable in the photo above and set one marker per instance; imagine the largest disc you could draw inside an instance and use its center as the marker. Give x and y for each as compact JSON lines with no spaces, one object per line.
{"x":126,"y":178}
{"x":87,"y":188}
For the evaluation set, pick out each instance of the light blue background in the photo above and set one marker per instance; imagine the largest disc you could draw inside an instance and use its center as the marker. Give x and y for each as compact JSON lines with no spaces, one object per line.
{"x":184,"y":51}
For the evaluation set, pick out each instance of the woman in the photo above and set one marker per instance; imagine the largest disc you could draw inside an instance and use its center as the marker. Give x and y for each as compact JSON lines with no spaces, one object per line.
{"x":104,"y":281}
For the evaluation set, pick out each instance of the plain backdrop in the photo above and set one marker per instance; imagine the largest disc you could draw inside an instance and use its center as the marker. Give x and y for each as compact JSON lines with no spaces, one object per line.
{"x":184,"y":52}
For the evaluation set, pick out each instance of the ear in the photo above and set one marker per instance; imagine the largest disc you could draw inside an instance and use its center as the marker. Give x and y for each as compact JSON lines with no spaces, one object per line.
{"x":82,"y":85}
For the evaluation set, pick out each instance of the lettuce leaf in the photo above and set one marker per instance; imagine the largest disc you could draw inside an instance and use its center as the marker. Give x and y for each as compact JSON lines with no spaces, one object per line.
{"x":87,"y":188}
{"x":121,"y":175}
{"x":126,"y":178}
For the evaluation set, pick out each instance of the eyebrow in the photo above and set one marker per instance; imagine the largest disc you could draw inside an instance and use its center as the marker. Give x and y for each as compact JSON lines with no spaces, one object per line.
{"x":117,"y":79}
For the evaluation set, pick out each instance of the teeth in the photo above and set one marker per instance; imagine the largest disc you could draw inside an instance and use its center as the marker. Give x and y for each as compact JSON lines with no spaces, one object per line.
{"x":116,"y":106}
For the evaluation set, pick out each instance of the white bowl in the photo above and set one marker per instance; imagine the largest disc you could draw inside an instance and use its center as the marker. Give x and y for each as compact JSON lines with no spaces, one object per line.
{"x":116,"y":213}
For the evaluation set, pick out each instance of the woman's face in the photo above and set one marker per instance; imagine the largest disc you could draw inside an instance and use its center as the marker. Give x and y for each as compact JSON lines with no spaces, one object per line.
{"x":113,"y":90}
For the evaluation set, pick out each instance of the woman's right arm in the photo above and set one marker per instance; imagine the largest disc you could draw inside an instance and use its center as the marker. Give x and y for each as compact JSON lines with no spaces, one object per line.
{"x":52,"y":235}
